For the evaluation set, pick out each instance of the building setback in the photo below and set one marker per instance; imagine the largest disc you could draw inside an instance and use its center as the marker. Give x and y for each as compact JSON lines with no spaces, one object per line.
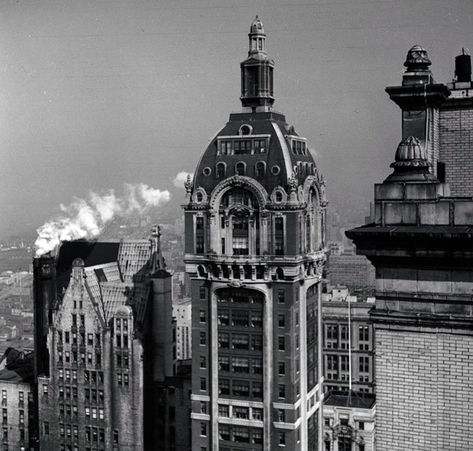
{"x":255,"y":249}
{"x":420,"y":241}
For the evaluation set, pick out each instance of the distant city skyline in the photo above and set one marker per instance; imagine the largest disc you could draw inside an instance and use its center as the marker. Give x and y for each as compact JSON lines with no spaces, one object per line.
{"x":140,"y":86}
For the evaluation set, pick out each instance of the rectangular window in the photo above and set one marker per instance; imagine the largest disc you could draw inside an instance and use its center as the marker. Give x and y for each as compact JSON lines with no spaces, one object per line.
{"x":203,"y":338}
{"x":281,"y":343}
{"x":223,"y":386}
{"x":257,"y":414}
{"x":241,"y":412}
{"x":240,"y":388}
{"x":281,"y":368}
{"x":202,"y":293}
{"x":240,"y":318}
{"x":279,"y":236}
{"x":203,"y":362}
{"x":240,"y":365}
{"x":203,"y":429}
{"x":257,"y":389}
{"x":223,"y":410}
{"x":199,"y":235}
{"x":257,"y":366}
{"x":223,"y":340}
{"x":223,"y":318}
{"x":203,"y":384}
{"x":202,"y":316}
{"x":256,"y":319}
{"x":281,"y":320}
{"x":240,"y":341}
{"x":281,"y":296}
{"x":256,"y":342}
{"x":281,"y":391}
{"x":223,"y":363}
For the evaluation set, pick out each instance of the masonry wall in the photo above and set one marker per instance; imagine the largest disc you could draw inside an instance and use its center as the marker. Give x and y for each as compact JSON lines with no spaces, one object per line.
{"x":424,"y":390}
{"x":353,"y":271}
{"x":456,"y":149}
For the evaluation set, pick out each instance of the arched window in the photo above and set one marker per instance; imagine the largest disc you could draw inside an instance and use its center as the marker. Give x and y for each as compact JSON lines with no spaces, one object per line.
{"x":221,"y":170}
{"x":278,"y":197}
{"x":239,"y":207}
{"x":240,"y":168}
{"x":260,"y":169}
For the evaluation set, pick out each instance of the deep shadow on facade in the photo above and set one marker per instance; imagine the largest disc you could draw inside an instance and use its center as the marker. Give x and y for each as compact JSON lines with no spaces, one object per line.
{"x":254,"y":251}
{"x":421,"y":244}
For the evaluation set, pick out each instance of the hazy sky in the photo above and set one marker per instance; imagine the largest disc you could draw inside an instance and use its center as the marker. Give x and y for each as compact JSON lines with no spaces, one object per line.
{"x":97,"y":93}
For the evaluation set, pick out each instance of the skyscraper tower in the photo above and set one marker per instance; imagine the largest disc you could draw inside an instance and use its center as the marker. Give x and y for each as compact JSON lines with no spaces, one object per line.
{"x":254,"y":243}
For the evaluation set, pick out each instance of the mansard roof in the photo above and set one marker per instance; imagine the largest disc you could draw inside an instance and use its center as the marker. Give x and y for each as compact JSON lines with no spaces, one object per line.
{"x":280,"y":161}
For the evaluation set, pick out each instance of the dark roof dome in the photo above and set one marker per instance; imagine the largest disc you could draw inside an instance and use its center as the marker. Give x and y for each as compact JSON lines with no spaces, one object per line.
{"x":417,"y":58}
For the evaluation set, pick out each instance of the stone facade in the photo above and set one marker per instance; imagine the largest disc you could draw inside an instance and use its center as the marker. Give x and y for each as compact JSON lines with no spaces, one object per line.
{"x":255,"y":248}
{"x":349,"y":423}
{"x":109,"y":345}
{"x":335,"y":348}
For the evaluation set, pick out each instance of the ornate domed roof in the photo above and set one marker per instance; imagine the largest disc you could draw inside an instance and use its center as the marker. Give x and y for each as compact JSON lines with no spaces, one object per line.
{"x":410,"y":153}
{"x":257,"y":26}
{"x":417,"y":57}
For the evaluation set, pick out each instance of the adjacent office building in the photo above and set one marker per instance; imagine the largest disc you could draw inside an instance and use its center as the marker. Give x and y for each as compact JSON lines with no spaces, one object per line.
{"x":104,"y":345}
{"x":420,"y":241}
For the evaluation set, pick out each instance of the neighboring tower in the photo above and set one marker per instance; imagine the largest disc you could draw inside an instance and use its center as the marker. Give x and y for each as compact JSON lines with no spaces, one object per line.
{"x":109,"y":346}
{"x":254,"y":243}
{"x":420,"y":241}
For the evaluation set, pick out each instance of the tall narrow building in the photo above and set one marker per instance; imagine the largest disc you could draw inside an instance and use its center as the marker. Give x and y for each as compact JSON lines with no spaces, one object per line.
{"x":420,"y":241}
{"x":254,"y":243}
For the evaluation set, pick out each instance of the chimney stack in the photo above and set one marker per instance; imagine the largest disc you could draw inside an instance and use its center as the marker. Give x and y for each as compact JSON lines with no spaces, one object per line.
{"x":44,"y":295}
{"x":463,"y":67}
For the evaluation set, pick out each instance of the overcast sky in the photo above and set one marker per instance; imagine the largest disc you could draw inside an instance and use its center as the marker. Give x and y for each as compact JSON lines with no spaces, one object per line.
{"x":97,"y":93}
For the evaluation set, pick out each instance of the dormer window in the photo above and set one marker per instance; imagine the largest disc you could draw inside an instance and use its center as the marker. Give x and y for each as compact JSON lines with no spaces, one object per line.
{"x":242,"y":147}
{"x":225,"y":147}
{"x":299,"y":147}
{"x":260,"y":145}
{"x":221,"y":170}
{"x":240,"y":168}
{"x":260,"y":169}
{"x":245,"y":129}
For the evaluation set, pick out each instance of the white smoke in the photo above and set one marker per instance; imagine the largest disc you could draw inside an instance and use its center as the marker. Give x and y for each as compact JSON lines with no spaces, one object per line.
{"x":180,"y":178}
{"x":86,"y":218}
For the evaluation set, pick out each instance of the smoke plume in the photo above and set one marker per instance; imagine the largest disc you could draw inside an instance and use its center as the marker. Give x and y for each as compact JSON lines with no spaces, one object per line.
{"x":87,"y":218}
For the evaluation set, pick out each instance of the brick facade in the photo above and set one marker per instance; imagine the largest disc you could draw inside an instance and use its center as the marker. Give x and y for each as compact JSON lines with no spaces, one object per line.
{"x":424,"y":390}
{"x":456,"y":149}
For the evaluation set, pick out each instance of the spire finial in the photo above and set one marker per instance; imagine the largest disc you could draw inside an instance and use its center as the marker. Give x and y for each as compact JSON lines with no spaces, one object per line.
{"x":257,"y":70}
{"x":157,"y":259}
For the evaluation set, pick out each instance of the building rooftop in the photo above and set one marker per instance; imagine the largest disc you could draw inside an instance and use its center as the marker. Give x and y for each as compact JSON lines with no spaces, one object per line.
{"x":357,"y":400}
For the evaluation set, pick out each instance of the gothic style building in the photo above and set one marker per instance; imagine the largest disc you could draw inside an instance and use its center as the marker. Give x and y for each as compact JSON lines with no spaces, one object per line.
{"x":254,"y":251}
{"x":420,"y":241}
{"x":104,"y":346}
